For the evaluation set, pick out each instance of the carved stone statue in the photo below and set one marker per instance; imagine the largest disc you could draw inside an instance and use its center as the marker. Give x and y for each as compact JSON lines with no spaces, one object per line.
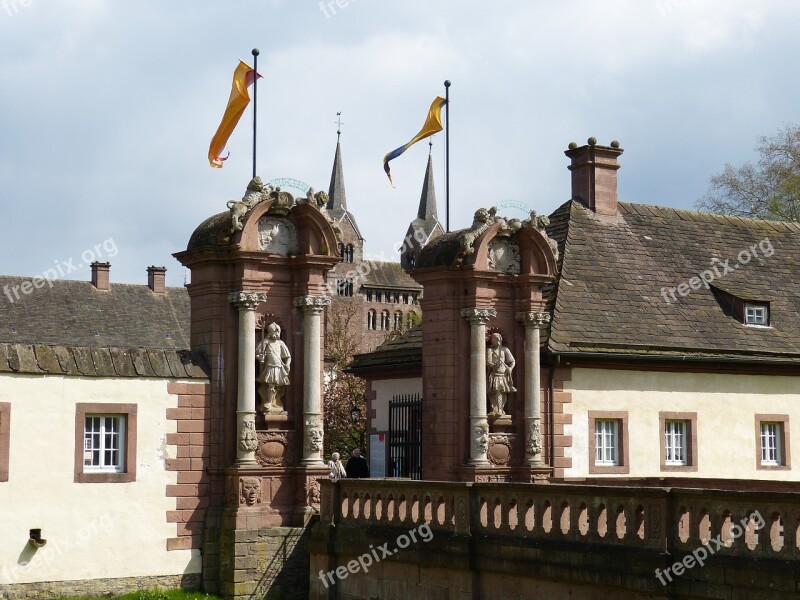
{"x":500,"y":366}
{"x":276,"y":361}
{"x":248,"y":442}
{"x":255,"y":193}
{"x":250,"y":490}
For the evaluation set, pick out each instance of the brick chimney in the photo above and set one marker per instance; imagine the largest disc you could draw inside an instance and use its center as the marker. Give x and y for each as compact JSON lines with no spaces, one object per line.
{"x":156,"y":279}
{"x":100,"y":275}
{"x":594,"y":175}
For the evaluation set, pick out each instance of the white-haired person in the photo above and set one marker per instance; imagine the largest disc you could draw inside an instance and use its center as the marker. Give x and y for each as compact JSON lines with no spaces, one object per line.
{"x":336,"y":467}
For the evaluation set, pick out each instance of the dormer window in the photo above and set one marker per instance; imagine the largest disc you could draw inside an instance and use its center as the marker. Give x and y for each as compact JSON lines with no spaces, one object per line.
{"x":756,"y":314}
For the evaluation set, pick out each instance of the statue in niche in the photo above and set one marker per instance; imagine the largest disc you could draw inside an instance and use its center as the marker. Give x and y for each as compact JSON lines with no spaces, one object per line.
{"x":276,"y":361}
{"x":500,"y":366}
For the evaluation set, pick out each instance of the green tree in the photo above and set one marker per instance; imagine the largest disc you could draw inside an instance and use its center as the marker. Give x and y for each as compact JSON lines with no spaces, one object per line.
{"x":767,"y":189}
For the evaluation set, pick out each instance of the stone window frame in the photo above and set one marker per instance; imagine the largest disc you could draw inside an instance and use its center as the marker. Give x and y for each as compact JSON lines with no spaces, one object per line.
{"x":691,"y":439}
{"x":5,"y":439}
{"x":785,"y":445}
{"x":129,"y":411}
{"x":623,"y":466}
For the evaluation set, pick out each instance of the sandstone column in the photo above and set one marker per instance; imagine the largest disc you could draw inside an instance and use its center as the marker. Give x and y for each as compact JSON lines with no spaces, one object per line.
{"x":534,"y":322}
{"x":312,"y":307}
{"x":247,"y":441}
{"x":478,"y":424}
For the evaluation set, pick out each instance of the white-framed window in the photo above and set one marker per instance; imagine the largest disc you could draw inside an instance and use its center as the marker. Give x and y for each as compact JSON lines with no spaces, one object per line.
{"x":606,"y":442}
{"x":771,"y":444}
{"x":756,"y":314}
{"x":675,"y":449}
{"x":104,"y":443}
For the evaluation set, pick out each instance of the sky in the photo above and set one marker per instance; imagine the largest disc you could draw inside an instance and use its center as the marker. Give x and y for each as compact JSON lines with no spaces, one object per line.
{"x":107,"y":109}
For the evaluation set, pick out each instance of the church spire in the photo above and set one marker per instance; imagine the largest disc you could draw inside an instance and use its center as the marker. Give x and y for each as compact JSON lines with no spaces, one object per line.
{"x":427,"y":200}
{"x":337,"y":200}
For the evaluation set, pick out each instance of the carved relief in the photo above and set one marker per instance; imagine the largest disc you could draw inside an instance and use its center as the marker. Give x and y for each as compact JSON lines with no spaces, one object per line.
{"x":533,"y":438}
{"x":499,"y":449}
{"x":504,"y":256}
{"x":250,"y":493}
{"x":272,"y":448}
{"x":480,"y":436}
{"x":248,"y":440}
{"x":313,"y":434}
{"x":277,"y":235}
{"x":313,"y":494}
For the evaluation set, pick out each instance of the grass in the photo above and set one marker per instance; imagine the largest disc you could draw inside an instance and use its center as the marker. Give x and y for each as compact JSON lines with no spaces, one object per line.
{"x":153,"y":595}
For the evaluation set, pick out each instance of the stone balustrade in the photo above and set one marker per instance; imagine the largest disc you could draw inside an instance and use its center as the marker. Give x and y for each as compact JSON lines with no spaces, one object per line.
{"x":749,"y":524}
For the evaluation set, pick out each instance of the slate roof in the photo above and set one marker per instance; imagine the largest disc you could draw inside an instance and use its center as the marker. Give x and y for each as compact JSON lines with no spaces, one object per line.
{"x":73,"y":328}
{"x":402,"y":352}
{"x":388,"y":275}
{"x":616,"y":272}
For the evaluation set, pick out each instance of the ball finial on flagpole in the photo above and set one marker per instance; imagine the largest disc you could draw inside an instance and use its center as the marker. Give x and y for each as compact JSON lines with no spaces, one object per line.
{"x":256,"y":52}
{"x":446,"y":83}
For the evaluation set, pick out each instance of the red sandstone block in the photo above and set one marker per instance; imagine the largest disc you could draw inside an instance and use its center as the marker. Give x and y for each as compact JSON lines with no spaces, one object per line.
{"x":194,"y":476}
{"x":197,"y":451}
{"x":178,"y":439}
{"x":185,"y":402}
{"x":178,"y":464}
{"x":198,"y":439}
{"x":199,"y":464}
{"x":562,"y":419}
{"x":192,"y":528}
{"x":183,"y":489}
{"x":562,"y":463}
{"x":193,"y":426}
{"x":184,"y":543}
{"x":176,"y":414}
{"x":199,"y":413}
{"x":175,"y":388}
{"x":191,"y":503}
{"x":563,"y":441}
{"x":191,"y":516}
{"x":198,"y":389}
{"x":564,"y":397}
{"x":175,"y":516}
{"x":201,"y":402}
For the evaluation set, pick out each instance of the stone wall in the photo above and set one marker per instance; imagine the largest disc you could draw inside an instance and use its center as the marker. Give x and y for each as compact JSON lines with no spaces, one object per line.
{"x":270,"y":563}
{"x":46,"y":590}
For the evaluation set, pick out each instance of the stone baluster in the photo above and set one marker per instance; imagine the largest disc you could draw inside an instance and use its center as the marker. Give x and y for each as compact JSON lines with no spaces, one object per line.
{"x":534,"y":322}
{"x":246,"y":439}
{"x":313,"y":431}
{"x":478,"y":424}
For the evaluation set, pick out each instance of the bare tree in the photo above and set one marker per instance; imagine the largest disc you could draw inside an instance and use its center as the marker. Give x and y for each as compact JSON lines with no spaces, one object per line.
{"x":768,"y":189}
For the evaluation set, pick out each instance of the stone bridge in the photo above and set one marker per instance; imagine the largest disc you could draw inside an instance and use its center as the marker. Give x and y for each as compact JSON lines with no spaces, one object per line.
{"x":397,"y":539}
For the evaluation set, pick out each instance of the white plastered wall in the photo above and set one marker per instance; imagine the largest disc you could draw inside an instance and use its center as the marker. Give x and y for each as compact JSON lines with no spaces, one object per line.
{"x":385,"y":390}
{"x":93,"y":530}
{"x":726,"y":406}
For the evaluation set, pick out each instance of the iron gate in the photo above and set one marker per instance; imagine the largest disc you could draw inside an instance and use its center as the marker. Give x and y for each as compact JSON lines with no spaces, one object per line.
{"x":405,"y":436}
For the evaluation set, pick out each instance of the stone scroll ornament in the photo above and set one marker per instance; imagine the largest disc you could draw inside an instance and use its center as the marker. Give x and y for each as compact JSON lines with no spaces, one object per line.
{"x":314,"y":434}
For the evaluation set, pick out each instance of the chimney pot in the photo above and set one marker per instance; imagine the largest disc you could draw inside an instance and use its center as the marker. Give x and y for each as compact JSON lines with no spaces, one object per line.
{"x":100,"y":275}
{"x":156,"y":279}
{"x":594,"y":175}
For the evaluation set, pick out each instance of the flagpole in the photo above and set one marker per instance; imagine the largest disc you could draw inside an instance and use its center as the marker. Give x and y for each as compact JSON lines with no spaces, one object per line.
{"x":447,"y":153}
{"x":255,"y":104}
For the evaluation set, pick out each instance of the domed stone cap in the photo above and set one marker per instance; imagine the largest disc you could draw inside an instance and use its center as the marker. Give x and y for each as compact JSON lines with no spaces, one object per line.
{"x":444,"y":251}
{"x":209,"y":231}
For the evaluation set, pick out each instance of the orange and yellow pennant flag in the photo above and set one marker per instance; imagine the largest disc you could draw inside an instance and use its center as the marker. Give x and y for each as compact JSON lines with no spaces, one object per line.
{"x":243,"y":77}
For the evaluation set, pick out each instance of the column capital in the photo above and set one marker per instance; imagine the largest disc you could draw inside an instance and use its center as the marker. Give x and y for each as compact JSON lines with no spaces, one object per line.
{"x":312,"y":304}
{"x":537,"y":320}
{"x":480,"y":316}
{"x":247,"y":300}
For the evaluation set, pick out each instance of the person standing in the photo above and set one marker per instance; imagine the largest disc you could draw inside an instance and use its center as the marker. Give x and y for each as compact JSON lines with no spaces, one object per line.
{"x":357,"y":466}
{"x":337,"y":470}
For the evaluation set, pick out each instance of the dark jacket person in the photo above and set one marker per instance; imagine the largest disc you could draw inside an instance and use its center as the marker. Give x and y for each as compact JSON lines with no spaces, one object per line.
{"x":357,"y":466}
